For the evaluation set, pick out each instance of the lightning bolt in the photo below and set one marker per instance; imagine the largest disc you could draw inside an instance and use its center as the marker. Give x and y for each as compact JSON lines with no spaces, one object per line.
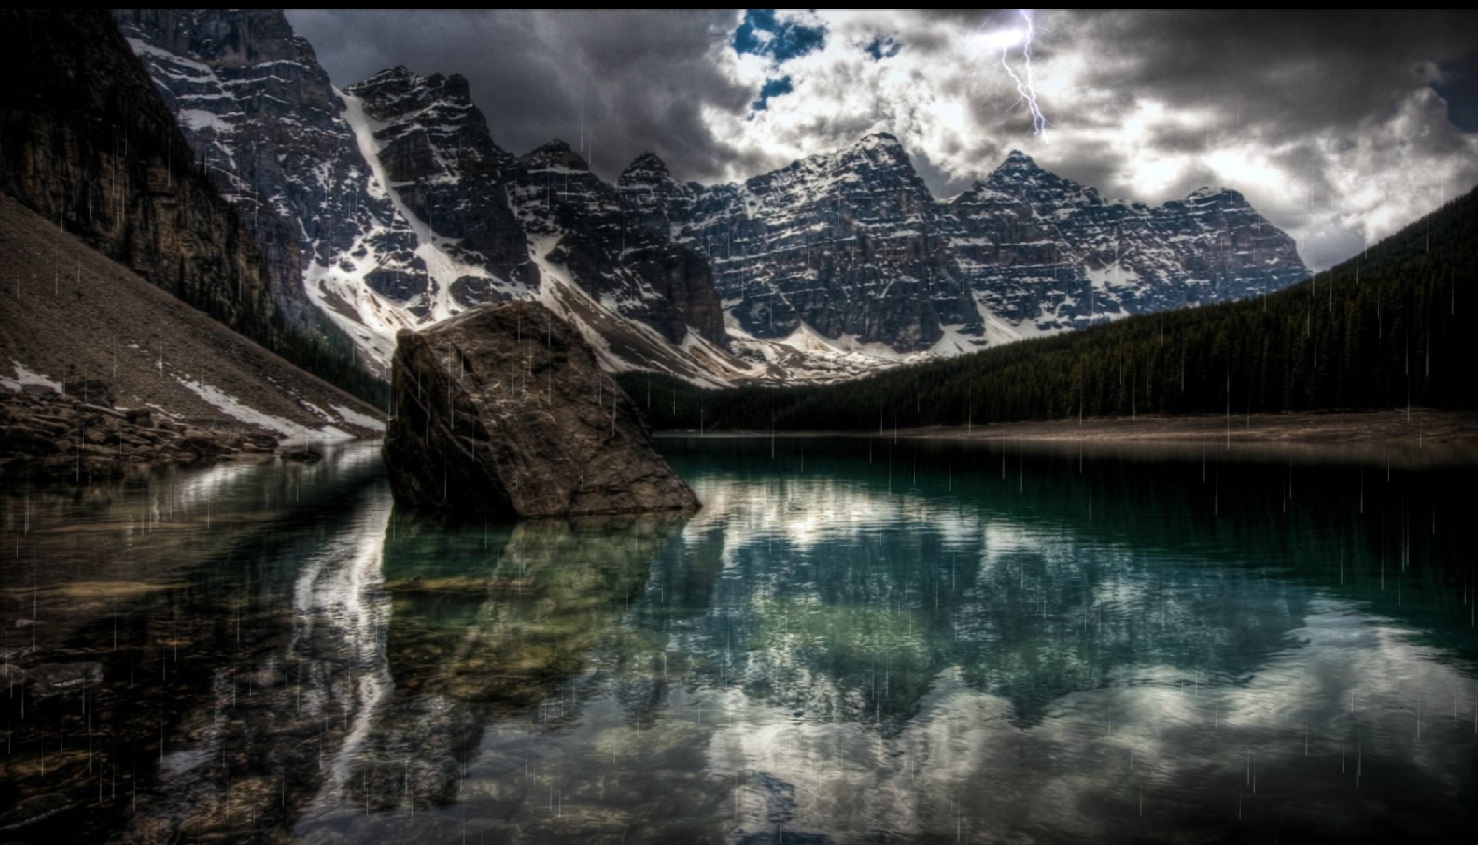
{"x":1007,"y":39}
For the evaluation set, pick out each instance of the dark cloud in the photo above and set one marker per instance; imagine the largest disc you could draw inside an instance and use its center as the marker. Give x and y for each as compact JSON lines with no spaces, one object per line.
{"x":1325,"y":120}
{"x":1291,"y":73}
{"x":641,"y":80}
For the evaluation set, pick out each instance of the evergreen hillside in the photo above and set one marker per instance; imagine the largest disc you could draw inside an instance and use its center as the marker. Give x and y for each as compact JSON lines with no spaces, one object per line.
{"x":1389,"y":328}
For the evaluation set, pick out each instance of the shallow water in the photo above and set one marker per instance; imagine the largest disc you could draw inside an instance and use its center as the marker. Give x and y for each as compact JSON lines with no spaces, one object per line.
{"x":854,"y":641}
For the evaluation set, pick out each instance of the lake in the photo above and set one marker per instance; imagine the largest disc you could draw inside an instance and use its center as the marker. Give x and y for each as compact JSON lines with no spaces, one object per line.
{"x":856,"y":640}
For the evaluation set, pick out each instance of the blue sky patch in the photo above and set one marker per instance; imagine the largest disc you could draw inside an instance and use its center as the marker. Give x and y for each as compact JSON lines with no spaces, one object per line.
{"x":763,"y":34}
{"x":882,"y":47}
{"x":773,"y":88}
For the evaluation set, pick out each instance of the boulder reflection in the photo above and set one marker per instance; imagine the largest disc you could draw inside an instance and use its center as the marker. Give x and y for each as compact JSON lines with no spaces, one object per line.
{"x":492,"y":622}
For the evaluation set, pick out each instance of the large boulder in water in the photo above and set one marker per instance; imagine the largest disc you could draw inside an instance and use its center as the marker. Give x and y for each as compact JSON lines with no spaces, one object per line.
{"x":503,"y":412}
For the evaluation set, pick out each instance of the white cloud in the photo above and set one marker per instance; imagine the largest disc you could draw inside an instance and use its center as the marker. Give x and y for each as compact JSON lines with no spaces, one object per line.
{"x":1325,"y":121}
{"x":953,"y":106}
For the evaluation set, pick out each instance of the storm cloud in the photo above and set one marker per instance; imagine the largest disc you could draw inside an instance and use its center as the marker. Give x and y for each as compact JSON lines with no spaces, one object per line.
{"x":1330,"y":122}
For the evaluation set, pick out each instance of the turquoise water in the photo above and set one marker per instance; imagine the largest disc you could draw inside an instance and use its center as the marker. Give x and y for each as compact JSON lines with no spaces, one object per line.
{"x":853,"y":641}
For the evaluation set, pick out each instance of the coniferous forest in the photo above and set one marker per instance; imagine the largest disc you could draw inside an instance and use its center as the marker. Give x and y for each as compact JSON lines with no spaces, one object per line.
{"x":1389,"y":328}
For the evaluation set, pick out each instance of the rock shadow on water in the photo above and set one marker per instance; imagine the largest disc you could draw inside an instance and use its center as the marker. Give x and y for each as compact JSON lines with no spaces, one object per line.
{"x":491,"y":622}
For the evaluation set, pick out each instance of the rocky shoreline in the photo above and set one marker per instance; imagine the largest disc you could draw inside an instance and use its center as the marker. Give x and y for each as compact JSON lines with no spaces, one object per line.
{"x":78,"y":435}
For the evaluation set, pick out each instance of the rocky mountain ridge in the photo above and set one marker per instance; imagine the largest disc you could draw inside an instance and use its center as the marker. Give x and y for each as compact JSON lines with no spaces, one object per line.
{"x":853,"y":245}
{"x":404,"y":212}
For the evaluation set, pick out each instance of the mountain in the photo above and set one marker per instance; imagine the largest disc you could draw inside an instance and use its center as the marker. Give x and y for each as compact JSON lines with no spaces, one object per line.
{"x":261,"y":115}
{"x":100,"y":323}
{"x":854,"y":246}
{"x":388,"y":205}
{"x":1389,"y":328}
{"x":88,"y":145}
{"x":400,"y":208}
{"x":91,"y":149}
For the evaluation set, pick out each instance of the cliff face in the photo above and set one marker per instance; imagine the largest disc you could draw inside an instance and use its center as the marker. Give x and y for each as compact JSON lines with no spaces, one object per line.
{"x":390,"y":206}
{"x":262,"y":114}
{"x":433,"y":145}
{"x":854,"y":246}
{"x":1048,"y":253}
{"x":636,"y":272}
{"x":89,"y":146}
{"x":845,"y":243}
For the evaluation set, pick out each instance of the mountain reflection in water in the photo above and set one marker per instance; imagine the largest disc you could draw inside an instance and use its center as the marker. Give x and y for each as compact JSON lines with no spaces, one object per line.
{"x":854,"y":640}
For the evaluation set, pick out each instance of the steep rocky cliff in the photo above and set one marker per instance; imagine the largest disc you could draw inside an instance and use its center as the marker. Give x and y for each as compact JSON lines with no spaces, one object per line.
{"x":854,"y":246}
{"x":433,"y":145}
{"x":1046,"y":253}
{"x":258,"y":109}
{"x":640,"y":273}
{"x":86,"y":142}
{"x":845,"y":243}
{"x":391,"y":206}
{"x":404,"y":212}
{"x":89,"y":146}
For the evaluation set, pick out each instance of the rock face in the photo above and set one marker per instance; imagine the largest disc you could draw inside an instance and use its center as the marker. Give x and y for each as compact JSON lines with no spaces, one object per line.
{"x":400,"y":211}
{"x":256,"y":107}
{"x":854,"y":246}
{"x":91,"y":148}
{"x":846,"y":243}
{"x":88,"y":145}
{"x":504,"y":412}
{"x":388,"y":205}
{"x":583,"y":235}
{"x":433,"y":145}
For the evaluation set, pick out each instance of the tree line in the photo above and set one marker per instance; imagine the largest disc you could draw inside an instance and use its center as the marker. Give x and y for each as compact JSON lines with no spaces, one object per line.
{"x":1390,"y":328}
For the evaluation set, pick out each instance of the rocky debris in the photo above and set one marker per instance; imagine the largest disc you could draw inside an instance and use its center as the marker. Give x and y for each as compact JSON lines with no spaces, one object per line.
{"x":503,"y":411}
{"x":301,"y":454}
{"x":98,"y":393}
{"x":45,"y":434}
{"x":55,"y":678}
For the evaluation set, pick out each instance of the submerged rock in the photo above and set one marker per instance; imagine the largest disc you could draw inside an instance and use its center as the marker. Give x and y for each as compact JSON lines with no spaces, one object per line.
{"x":504,"y":412}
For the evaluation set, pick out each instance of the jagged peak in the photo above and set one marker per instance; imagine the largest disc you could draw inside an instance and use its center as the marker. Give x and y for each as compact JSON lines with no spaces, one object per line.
{"x":880,"y":139}
{"x":646,"y":167}
{"x":389,"y":74}
{"x":556,"y":153}
{"x":879,"y":145}
{"x":1018,"y":160}
{"x":402,"y":80}
{"x":1206,"y":193}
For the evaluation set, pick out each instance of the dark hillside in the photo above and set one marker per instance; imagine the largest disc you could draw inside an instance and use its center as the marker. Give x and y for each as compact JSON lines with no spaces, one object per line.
{"x":1390,"y":328}
{"x":86,"y":142}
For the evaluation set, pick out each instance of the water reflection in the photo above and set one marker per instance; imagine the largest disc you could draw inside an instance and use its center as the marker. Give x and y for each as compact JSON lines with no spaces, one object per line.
{"x":852,"y":641}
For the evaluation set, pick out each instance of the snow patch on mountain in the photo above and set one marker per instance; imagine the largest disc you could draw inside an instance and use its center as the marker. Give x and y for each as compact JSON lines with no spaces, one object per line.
{"x":236,"y":409}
